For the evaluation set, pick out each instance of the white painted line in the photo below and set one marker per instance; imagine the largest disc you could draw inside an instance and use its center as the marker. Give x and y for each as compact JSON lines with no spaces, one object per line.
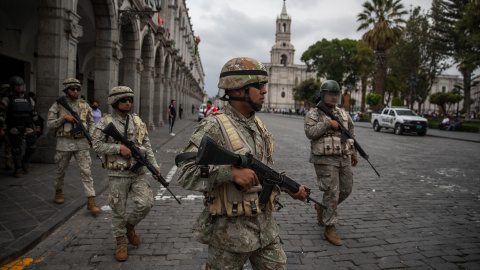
{"x":161,"y":191}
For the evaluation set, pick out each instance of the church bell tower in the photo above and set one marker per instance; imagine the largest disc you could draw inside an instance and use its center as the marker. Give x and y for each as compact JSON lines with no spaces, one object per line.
{"x":282,"y":52}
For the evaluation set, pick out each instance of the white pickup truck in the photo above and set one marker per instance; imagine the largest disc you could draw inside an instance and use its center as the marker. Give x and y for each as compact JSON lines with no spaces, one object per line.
{"x":400,"y":120}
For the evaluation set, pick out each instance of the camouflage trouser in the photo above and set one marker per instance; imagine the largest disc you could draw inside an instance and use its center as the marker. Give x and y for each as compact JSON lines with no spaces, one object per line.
{"x":142,"y":196}
{"x":269,"y":257}
{"x":336,"y":183}
{"x":62,"y":158}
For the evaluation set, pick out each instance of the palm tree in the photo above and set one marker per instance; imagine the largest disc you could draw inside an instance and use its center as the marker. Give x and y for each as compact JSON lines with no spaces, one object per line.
{"x":384,"y":24}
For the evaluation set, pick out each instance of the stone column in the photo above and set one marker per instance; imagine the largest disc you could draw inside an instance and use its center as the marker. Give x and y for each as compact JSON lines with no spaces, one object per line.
{"x":146,"y":96}
{"x":58,"y":31}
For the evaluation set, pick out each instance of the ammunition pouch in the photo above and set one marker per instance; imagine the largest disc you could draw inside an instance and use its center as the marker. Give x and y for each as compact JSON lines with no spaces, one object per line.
{"x":117,"y":162}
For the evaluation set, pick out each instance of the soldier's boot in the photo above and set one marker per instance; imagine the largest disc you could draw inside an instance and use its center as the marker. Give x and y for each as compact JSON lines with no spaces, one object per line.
{"x":17,"y":162}
{"x":319,"y":215}
{"x":59,"y":196}
{"x":92,"y":206}
{"x":331,"y":235}
{"x":8,"y":163}
{"x":18,"y":173}
{"x":121,"y":252}
{"x":132,"y":236}
{"x":26,"y":167}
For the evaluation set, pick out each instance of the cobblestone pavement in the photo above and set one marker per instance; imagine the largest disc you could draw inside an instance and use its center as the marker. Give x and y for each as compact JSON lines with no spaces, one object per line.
{"x":422,"y":213}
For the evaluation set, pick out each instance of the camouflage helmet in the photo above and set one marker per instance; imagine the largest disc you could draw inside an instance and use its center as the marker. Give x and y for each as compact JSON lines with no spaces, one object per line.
{"x":70,"y":82}
{"x":4,"y":88}
{"x":119,"y":92}
{"x":16,"y":80}
{"x":241,"y":71}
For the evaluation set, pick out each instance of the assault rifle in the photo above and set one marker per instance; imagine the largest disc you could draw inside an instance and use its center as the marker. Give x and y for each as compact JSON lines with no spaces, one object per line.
{"x":345,"y":134}
{"x":112,"y":131}
{"x":80,"y":128}
{"x":210,"y":153}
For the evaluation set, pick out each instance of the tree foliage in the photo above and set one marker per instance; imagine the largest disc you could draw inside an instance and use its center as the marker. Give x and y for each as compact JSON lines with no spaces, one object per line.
{"x":442,"y":99}
{"x":332,"y":60}
{"x":374,"y":100}
{"x":307,"y":90}
{"x":382,"y":20}
{"x":416,"y":55}
{"x":455,"y":31}
{"x":365,"y":63}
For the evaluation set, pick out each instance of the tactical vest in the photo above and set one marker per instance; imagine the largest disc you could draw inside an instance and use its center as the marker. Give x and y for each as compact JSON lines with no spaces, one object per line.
{"x":116,"y":161}
{"x":65,"y":129}
{"x":226,"y":198}
{"x":20,"y":110}
{"x":330,"y":143}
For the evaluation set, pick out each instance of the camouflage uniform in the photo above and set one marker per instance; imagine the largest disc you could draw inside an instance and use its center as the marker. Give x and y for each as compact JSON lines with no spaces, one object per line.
{"x":232,"y":240}
{"x":68,"y":146}
{"x":333,"y":171}
{"x":122,"y":181}
{"x":18,"y":116}
{"x":4,"y":89}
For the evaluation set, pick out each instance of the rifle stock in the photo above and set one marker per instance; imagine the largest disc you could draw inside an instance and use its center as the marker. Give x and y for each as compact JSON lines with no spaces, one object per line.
{"x":80,"y":127}
{"x":112,"y":131}
{"x":321,"y":106}
{"x":210,"y":153}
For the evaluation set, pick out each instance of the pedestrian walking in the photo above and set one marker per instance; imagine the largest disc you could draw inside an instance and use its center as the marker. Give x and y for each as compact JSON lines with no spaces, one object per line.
{"x":118,"y":161}
{"x":172,"y":114}
{"x":331,"y":157}
{"x":193,"y":109}
{"x":19,"y":120}
{"x":233,"y":225}
{"x":68,"y":144}
{"x":180,"y":111}
{"x":97,"y":114}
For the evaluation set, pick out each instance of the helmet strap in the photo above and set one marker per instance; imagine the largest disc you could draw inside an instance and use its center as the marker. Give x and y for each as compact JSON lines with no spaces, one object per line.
{"x":256,"y":107}
{"x":115,"y":107}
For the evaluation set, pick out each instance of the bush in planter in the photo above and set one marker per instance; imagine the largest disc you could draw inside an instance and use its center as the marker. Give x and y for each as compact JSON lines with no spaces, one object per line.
{"x":397,"y":102}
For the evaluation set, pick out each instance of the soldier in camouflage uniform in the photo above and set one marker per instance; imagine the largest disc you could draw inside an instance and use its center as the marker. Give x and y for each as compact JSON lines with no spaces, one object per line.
{"x":4,"y":90}
{"x":331,"y":157}
{"x":68,"y":145}
{"x":118,"y":160}
{"x":231,"y":224}
{"x":19,"y":119}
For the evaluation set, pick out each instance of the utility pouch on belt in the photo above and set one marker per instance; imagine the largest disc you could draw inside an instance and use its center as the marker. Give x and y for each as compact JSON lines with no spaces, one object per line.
{"x":318,"y":146}
{"x":349,"y":147}
{"x":239,"y":203}
{"x":336,"y":145}
{"x":328,"y":143}
{"x":215,"y":205}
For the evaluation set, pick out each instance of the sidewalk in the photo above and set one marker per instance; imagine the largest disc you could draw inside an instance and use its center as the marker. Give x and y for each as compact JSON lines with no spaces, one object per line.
{"x":27,"y":211}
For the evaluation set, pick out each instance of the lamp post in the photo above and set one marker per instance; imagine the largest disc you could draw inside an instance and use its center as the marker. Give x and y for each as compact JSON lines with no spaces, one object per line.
{"x":412,"y":82}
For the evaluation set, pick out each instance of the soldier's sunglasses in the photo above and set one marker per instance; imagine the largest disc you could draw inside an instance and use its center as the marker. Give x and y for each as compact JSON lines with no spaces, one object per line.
{"x":259,"y":86}
{"x":125,"y":99}
{"x":73,"y":89}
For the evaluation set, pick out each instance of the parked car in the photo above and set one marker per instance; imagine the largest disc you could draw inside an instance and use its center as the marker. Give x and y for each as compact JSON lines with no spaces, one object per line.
{"x":400,"y":120}
{"x":201,"y":111}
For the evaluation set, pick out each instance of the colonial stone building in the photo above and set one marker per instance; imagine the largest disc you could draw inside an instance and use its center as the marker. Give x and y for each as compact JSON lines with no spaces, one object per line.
{"x":148,"y":45}
{"x":283,"y":74}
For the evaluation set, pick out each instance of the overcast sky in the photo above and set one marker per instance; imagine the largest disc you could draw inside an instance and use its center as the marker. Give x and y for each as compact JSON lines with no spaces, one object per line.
{"x":233,"y":28}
